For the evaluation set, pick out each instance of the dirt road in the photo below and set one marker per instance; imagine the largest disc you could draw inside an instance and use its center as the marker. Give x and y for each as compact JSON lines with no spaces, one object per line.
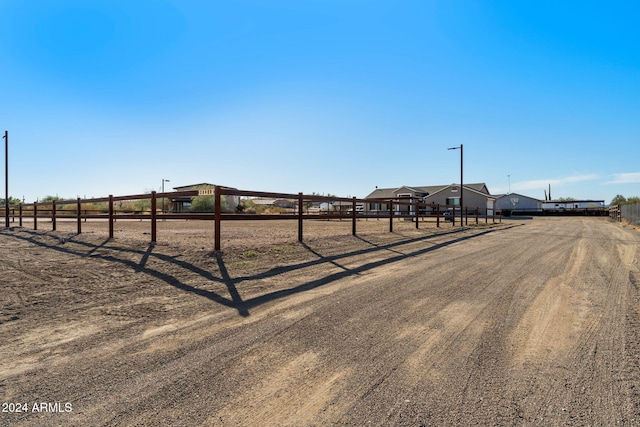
{"x":534,"y":322}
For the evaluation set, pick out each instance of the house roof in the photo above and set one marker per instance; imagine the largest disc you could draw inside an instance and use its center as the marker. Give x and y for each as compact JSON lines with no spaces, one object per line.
{"x":201,"y":186}
{"x":386,"y":193}
{"x":510,"y":195}
{"x":194,"y":186}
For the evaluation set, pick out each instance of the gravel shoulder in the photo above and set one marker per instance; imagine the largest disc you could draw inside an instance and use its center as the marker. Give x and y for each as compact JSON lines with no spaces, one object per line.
{"x":525,"y":322}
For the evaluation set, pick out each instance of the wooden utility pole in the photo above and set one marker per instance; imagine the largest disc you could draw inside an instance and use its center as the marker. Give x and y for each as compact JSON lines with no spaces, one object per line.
{"x":6,"y":178}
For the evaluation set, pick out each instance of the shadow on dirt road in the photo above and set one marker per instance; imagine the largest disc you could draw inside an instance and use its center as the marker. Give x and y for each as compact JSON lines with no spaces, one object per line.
{"x":113,"y":252}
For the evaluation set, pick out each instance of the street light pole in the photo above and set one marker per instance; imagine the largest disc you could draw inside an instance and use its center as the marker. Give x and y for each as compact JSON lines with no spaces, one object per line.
{"x":163,"y":181}
{"x":461,"y":184}
{"x":6,"y":178}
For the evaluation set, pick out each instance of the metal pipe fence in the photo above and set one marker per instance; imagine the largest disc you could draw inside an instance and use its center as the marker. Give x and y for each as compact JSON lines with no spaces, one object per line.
{"x":111,"y":208}
{"x":630,"y":213}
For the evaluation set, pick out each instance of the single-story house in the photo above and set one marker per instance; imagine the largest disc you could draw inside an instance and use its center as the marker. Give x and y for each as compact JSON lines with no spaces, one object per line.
{"x":183,"y":204}
{"x":517,"y":203}
{"x":475,"y":195}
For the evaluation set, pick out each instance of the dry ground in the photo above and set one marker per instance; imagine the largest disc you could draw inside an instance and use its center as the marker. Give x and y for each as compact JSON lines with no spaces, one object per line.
{"x":527,"y":322}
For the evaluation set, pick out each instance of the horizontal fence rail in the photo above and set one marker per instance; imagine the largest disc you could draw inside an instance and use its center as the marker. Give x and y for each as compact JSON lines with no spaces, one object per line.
{"x":301,"y":208}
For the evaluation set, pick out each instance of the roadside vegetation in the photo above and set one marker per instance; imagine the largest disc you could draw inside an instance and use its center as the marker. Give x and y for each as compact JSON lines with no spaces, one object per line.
{"x":619,"y":200}
{"x":12,"y":201}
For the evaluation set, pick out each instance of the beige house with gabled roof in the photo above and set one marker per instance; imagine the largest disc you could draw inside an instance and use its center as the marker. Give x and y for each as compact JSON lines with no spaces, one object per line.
{"x":475,"y":195}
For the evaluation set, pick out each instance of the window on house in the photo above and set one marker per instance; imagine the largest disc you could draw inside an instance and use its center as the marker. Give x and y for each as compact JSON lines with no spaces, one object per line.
{"x":453,"y":201}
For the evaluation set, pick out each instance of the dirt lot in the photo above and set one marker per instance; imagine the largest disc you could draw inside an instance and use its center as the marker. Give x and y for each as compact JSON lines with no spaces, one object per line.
{"x":531,"y":322}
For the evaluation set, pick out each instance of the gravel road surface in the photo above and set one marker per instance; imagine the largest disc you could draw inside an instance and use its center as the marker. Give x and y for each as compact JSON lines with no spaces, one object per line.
{"x":530,"y":322}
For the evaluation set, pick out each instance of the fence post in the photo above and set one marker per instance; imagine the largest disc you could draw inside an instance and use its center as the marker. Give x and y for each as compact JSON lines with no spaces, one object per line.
{"x":111,"y":216}
{"x":466,"y":215}
{"x":20,"y":211}
{"x":453,"y":217}
{"x":476,"y":215}
{"x":353,"y":217}
{"x":53,"y":214}
{"x":154,"y":217}
{"x":417,"y":212}
{"x":438,"y":215}
{"x":217,"y":216}
{"x":35,"y":215}
{"x":300,"y":217}
{"x":390,"y":216}
{"x":79,"y":215}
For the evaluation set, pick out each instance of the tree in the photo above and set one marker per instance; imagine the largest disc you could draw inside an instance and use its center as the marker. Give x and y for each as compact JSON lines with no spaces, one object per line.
{"x":619,"y":199}
{"x":633,"y":200}
{"x":12,"y":201}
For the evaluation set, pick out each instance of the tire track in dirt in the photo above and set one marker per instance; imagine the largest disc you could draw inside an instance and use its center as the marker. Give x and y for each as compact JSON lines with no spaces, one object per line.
{"x":484,"y":367}
{"x":384,"y":350}
{"x":13,"y":301}
{"x":580,"y":322}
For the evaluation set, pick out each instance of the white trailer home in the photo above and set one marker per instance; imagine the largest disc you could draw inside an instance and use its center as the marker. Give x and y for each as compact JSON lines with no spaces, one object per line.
{"x":572,"y":205}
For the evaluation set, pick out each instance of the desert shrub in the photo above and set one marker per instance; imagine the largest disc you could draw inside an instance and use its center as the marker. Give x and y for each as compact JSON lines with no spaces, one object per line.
{"x":142,"y":205}
{"x":50,"y":198}
{"x":202,"y":204}
{"x":96,"y":207}
{"x":207,"y":204}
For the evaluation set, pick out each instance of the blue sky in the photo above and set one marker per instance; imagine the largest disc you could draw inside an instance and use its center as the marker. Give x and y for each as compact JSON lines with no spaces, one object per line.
{"x":325,"y":96}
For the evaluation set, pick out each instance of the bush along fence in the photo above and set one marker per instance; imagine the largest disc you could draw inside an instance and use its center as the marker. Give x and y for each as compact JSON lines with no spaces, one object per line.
{"x":301,"y":208}
{"x":629,"y":213}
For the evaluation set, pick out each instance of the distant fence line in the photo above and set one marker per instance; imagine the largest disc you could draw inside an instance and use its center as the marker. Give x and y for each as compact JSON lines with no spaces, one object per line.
{"x":629,"y":213}
{"x":415,"y":210}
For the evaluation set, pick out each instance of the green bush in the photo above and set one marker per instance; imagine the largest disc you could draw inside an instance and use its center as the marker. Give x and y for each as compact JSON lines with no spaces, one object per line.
{"x":207,"y":204}
{"x":12,"y":201}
